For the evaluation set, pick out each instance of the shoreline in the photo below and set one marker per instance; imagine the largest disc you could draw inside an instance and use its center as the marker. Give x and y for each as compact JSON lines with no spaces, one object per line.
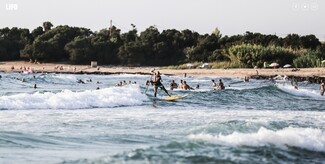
{"x":314,"y":75}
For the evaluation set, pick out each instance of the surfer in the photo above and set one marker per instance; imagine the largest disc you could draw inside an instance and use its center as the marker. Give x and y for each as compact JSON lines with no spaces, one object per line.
{"x":173,"y":85}
{"x":322,"y":88}
{"x":157,"y":83}
{"x":220,"y":85}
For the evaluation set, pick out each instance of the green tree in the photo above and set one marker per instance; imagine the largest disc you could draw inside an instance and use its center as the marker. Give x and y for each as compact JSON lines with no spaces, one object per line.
{"x":50,"y":45}
{"x":47,"y":26}
{"x":12,"y":41}
{"x":80,"y":50}
{"x":310,"y":42}
{"x":292,"y":41}
{"x":204,"y":49}
{"x":106,"y":50}
{"x":132,"y":53}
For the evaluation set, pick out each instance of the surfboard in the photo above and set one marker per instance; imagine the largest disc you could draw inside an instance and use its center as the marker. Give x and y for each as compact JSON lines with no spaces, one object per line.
{"x":173,"y":97}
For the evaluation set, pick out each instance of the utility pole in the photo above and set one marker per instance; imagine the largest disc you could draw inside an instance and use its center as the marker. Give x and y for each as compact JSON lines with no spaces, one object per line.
{"x":110,"y":27}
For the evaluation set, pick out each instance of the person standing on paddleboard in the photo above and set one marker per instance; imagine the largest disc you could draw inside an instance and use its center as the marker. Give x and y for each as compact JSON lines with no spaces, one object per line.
{"x":157,"y":83}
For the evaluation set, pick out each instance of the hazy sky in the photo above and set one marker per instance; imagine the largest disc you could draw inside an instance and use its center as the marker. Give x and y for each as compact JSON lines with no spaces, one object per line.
{"x":279,"y":17}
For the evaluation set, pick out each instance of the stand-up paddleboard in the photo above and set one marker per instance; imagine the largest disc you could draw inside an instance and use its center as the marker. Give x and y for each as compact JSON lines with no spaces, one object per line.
{"x":173,"y":97}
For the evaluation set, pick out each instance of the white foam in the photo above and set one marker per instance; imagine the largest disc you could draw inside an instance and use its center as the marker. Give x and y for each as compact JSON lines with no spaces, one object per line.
{"x":300,"y":91}
{"x":195,"y":90}
{"x":240,"y":88}
{"x":200,"y":81}
{"x":306,"y":138}
{"x":66,"y":77}
{"x":108,"y":97}
{"x":127,"y":75}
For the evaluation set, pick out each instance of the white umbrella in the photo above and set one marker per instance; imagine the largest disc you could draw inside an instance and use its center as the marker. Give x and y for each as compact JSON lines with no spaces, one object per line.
{"x":204,"y":65}
{"x":189,"y":64}
{"x":287,"y":66}
{"x":274,"y":65}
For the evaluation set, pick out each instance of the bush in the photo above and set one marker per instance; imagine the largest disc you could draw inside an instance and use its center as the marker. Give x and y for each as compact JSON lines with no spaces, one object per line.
{"x":308,"y":59}
{"x":249,"y":56}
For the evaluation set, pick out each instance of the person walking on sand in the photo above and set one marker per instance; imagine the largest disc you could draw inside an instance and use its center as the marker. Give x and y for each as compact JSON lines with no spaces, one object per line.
{"x":322,"y":88}
{"x":157,"y":82}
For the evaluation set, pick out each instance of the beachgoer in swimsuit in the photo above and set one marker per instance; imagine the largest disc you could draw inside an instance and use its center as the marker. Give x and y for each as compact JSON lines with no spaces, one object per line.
{"x":157,"y":83}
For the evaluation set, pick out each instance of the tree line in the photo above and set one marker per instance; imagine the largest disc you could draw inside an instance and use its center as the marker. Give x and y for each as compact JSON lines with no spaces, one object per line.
{"x":151,"y":47}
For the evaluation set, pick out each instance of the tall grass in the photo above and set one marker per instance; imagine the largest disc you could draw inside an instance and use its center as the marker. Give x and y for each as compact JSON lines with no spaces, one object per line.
{"x":251,"y":55}
{"x":308,"y":59}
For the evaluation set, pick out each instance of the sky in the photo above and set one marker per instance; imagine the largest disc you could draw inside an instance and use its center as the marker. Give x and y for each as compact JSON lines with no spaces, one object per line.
{"x":231,"y":17}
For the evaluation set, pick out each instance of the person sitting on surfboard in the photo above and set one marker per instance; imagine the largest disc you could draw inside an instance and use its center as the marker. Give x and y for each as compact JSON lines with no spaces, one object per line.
{"x":220,"y":85}
{"x":157,"y":83}
{"x":173,"y":85}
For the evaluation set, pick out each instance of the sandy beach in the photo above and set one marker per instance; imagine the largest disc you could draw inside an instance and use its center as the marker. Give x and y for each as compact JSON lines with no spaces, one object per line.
{"x":20,"y":66}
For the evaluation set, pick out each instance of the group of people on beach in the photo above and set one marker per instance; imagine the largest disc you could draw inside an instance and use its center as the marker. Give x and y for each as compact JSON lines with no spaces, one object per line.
{"x":61,"y":68}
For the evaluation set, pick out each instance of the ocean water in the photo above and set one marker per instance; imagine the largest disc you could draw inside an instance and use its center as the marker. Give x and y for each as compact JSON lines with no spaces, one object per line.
{"x":66,"y":122}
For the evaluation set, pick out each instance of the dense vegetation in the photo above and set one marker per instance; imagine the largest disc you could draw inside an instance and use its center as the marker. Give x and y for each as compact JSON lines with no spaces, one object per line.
{"x":152,"y":47}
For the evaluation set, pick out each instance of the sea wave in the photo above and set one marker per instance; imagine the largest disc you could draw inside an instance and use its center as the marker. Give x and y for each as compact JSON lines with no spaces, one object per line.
{"x":67,"y":99}
{"x":305,"y":138}
{"x":302,"y":92}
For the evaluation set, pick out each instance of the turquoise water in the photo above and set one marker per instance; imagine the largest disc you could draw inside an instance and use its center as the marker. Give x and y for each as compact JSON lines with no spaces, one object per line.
{"x":63,"y":121}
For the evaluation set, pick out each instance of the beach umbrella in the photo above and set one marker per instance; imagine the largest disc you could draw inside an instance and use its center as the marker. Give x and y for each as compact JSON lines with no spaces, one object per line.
{"x":204,"y":65}
{"x":287,"y":66}
{"x":189,"y":64}
{"x":274,"y":65}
